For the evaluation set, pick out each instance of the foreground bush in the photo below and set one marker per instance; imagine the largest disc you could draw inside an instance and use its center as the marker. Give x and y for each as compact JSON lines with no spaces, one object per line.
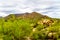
{"x":34,"y":28}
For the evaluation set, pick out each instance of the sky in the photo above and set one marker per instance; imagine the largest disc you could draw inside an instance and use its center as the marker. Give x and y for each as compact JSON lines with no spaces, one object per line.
{"x":45,"y":7}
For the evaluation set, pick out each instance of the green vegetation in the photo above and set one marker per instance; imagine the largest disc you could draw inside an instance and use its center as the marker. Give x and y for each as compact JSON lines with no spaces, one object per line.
{"x":28,"y":26}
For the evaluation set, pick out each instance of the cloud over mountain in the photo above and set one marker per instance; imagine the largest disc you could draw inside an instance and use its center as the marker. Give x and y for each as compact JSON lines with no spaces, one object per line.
{"x":46,"y":7}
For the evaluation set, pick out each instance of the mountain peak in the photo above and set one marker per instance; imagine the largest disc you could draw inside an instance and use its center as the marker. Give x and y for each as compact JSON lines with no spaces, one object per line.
{"x":28,"y":15}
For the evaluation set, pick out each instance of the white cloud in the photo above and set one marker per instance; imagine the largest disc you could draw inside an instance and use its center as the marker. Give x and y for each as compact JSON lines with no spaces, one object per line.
{"x":3,"y":14}
{"x":47,"y":7}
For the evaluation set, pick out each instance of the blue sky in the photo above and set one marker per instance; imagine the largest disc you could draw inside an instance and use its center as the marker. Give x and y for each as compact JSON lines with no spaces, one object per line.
{"x":46,"y":7}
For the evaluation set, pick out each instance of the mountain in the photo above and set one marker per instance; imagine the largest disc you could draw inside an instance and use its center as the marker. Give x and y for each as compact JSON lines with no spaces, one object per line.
{"x":28,"y":15}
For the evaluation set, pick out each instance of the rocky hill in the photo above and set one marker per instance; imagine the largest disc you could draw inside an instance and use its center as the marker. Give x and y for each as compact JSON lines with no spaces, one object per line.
{"x":33,"y":15}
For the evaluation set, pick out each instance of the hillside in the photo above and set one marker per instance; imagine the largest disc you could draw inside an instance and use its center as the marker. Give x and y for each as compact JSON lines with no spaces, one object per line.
{"x":29,"y":26}
{"x":33,"y":15}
